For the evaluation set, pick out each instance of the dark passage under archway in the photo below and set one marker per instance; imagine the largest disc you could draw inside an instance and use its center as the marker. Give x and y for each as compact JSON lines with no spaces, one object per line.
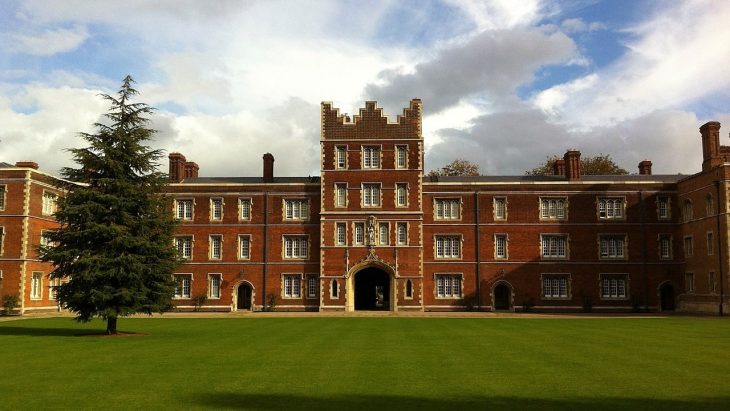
{"x":502,"y":297}
{"x":244,"y":297}
{"x":372,"y":289}
{"x":666,"y":295}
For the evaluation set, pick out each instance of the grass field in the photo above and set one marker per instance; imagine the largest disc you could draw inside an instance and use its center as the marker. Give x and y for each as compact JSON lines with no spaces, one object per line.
{"x":368,"y":363}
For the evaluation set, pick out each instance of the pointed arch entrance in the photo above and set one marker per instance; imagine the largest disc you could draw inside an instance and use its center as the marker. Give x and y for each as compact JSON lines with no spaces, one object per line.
{"x":502,"y":296}
{"x":244,"y":296}
{"x":370,"y":287}
{"x":667,"y":297}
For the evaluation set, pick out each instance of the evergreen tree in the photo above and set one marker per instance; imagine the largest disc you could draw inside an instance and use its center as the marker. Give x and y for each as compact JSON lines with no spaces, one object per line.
{"x":114,"y":249}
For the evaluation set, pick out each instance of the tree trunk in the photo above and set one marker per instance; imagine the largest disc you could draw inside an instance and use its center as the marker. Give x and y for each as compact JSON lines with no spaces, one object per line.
{"x":111,"y":325}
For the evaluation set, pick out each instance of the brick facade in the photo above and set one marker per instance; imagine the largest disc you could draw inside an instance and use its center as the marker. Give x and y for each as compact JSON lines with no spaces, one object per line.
{"x":372,"y":232}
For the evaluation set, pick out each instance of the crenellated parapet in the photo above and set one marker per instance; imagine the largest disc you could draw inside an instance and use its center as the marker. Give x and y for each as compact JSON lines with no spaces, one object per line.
{"x":371,"y":123}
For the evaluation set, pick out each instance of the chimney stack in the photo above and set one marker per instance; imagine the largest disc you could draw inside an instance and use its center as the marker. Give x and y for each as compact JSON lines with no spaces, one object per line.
{"x":27,"y":164}
{"x":572,"y":164}
{"x":710,"y":132}
{"x":268,"y":168}
{"x":177,"y":167}
{"x":559,"y":167}
{"x":645,"y":168}
{"x":191,"y":169}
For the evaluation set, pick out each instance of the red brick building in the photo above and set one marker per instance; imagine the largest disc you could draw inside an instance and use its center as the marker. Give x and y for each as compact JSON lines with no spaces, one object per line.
{"x":373,"y":233}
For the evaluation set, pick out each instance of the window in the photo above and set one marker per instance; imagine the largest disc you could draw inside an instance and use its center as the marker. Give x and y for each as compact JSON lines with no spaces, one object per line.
{"x":359,"y":234}
{"x":401,"y":156}
{"x":401,"y":195}
{"x":663,"y":210}
{"x":244,"y":206}
{"x":2,"y":239}
{"x":3,"y":190}
{"x":448,"y":285}
{"x":689,"y":281}
{"x":371,"y":157}
{"x":500,"y":246}
{"x":182,"y":285}
{"x":500,"y":208}
{"x":53,"y":288}
{"x":49,"y":203}
{"x":296,"y":246}
{"x":710,"y":243}
{"x":334,"y":289}
{"x":341,"y":234}
{"x":614,"y":286}
{"x":340,"y":195}
{"x":611,"y":208}
{"x":688,"y":246}
{"x":709,"y":205}
{"x":215,"y":243}
{"x":383,"y":233}
{"x":612,"y":246}
{"x":555,"y":286}
{"x":554,"y":245}
{"x":244,"y":247}
{"x":341,"y":157}
{"x":687,"y":210}
{"x":296,"y":209}
{"x":371,"y":195}
{"x":553,"y":208}
{"x":448,"y":246}
{"x":214,"y":286}
{"x":36,"y":284}
{"x":184,"y":209}
{"x":665,"y":246}
{"x":312,"y":287}
{"x":402,"y":233}
{"x":711,"y":282}
{"x":184,"y":247}
{"x":448,"y":208}
{"x":216,"y":209}
{"x":409,"y":289}
{"x":45,"y":240}
{"x":292,"y":285}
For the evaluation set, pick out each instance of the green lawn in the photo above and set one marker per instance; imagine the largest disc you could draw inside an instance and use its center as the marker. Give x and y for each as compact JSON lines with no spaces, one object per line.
{"x":368,"y":363}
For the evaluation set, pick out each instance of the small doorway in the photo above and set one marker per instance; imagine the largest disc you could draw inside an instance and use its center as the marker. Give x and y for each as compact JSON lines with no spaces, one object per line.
{"x":372,"y":290}
{"x":244,"y":297}
{"x":502,"y":297}
{"x":666,"y":297}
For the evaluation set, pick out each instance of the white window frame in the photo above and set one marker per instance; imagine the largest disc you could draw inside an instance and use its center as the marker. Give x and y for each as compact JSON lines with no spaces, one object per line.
{"x":662,"y":238}
{"x":499,"y":208}
{"x":406,"y":294}
{"x":383,"y":228}
{"x":448,"y":285}
{"x":553,"y":208}
{"x":245,"y":209}
{"x":448,"y":246}
{"x":689,"y":282}
{"x":663,"y":208}
{"x":215,"y":251}
{"x":184,"y":209}
{"x":291,"y":286}
{"x":612,"y":246}
{"x":401,"y":194}
{"x":709,"y":205}
{"x":244,"y":246}
{"x":401,"y":233}
{"x":447,"y":208}
{"x":49,"y":202}
{"x":334,"y":289}
{"x":371,"y":157}
{"x":183,"y":251}
{"x":614,"y":286}
{"x":3,"y":193}
{"x":295,"y":209}
{"x":401,"y":156}
{"x":689,"y":246}
{"x":358,"y":233}
{"x":340,"y":195}
{"x":36,"y":285}
{"x":501,"y":251}
{"x":341,"y":157}
{"x":687,"y":210}
{"x":180,"y":286}
{"x":340,"y":233}
{"x":556,"y":248}
{"x":2,"y":240}
{"x":295,"y":246}
{"x":312,"y":287}
{"x":371,"y":195}
{"x":555,"y":286}
{"x":611,"y":208}
{"x":216,"y":209}
{"x":215,"y":280}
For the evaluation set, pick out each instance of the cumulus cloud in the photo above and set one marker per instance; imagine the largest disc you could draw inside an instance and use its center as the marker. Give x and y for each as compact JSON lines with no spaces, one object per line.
{"x":45,"y":42}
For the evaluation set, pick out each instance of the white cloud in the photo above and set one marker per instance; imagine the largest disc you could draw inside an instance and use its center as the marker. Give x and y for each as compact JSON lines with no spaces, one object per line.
{"x":501,"y":14}
{"x":45,"y":42}
{"x":576,"y":25}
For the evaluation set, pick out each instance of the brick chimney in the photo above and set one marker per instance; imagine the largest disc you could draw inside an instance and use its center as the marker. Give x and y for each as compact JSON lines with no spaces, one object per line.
{"x":27,"y":164}
{"x":559,"y":167}
{"x":710,"y":132}
{"x":645,"y":168}
{"x":572,"y":164}
{"x":177,"y":167}
{"x":268,"y":168}
{"x":191,"y":169}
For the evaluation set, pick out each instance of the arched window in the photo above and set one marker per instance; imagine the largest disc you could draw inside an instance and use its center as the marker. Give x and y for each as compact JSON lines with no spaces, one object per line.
{"x":709,"y":205}
{"x":409,"y":289}
{"x":334,"y":289}
{"x":687,"y":210}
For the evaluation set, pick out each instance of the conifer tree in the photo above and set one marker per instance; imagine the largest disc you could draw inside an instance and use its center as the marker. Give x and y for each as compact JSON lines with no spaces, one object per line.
{"x":114,"y":248}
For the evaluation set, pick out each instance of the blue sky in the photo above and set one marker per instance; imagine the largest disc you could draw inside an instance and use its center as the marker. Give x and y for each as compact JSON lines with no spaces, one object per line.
{"x":504,"y":83}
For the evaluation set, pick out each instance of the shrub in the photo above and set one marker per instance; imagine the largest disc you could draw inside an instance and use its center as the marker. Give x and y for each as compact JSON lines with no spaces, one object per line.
{"x":271,"y":300}
{"x":198,"y":301}
{"x":10,"y":303}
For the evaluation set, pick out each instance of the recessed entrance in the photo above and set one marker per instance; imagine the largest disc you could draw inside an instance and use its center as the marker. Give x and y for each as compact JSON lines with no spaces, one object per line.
{"x":372,"y":290}
{"x":666,"y":297}
{"x":244,"y":297}
{"x":502,"y":297}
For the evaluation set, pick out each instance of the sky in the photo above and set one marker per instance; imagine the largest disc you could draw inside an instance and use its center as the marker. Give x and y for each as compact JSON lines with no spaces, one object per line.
{"x":504,"y":83}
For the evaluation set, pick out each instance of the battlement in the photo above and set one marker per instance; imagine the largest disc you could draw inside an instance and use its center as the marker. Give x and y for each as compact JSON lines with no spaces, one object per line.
{"x":371,"y":122}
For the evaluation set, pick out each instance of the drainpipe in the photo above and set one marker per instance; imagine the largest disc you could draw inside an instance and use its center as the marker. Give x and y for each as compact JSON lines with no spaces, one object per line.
{"x":476,"y":246}
{"x":719,"y":250}
{"x":642,"y":209}
{"x":266,"y":245}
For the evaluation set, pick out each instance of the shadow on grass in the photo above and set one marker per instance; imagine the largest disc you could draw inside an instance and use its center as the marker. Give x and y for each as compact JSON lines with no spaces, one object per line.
{"x":245,"y":401}
{"x":49,"y":332}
